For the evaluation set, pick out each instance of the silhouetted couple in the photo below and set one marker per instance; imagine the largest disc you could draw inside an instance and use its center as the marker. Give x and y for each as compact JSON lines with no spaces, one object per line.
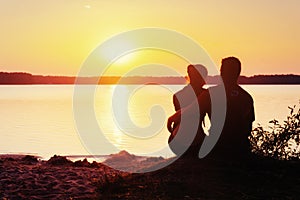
{"x":193,"y":103}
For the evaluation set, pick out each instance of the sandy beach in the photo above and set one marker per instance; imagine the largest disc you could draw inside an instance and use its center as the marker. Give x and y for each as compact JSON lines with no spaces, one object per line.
{"x":27,"y":177}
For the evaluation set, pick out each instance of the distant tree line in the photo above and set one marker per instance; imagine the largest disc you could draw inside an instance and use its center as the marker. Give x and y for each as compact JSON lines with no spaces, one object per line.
{"x":270,"y":79}
{"x":26,"y":78}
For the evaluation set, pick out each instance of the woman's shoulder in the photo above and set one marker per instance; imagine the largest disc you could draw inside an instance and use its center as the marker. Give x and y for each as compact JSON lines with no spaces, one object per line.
{"x":186,"y":89}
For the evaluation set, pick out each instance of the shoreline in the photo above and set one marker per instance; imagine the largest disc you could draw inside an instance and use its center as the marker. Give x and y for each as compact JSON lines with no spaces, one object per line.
{"x":76,"y":157}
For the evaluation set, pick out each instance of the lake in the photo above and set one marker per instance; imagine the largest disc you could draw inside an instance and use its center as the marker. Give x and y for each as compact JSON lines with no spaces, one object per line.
{"x":38,"y":119}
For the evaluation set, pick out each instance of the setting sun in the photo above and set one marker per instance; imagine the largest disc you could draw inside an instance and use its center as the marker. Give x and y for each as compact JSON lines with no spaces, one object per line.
{"x":125,"y":59}
{"x":148,"y":57}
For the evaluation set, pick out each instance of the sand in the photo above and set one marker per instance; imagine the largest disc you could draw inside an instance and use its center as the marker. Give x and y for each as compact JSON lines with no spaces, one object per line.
{"x":27,"y":177}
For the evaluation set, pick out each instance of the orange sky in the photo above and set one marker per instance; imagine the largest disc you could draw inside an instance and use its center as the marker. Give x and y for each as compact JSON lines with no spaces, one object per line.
{"x":55,"y":37}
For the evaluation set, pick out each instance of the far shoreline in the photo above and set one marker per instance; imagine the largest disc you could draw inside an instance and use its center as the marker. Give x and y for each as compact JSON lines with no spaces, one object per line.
{"x":21,"y":78}
{"x":62,"y":84}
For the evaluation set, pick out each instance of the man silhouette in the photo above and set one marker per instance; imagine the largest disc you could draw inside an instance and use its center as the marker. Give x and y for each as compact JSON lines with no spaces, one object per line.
{"x":233,"y":142}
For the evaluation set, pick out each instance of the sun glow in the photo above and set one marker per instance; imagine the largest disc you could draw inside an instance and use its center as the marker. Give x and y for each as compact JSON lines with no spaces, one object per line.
{"x":125,"y":59}
{"x":151,"y":57}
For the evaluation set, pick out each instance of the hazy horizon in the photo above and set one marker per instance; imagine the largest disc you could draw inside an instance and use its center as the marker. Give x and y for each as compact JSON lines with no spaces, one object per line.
{"x":142,"y":75}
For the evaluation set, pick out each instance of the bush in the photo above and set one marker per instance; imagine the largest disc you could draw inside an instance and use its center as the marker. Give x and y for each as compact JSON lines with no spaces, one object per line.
{"x":279,"y":141}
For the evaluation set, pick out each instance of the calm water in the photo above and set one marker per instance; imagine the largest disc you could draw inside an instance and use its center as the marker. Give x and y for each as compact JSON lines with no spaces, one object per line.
{"x":39,"y":119}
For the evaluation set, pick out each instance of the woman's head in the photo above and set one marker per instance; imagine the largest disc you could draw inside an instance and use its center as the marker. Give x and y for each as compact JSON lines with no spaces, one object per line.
{"x":197,"y":74}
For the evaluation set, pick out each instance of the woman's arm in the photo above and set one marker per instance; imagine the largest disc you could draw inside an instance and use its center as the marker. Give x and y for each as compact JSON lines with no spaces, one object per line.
{"x":197,"y":107}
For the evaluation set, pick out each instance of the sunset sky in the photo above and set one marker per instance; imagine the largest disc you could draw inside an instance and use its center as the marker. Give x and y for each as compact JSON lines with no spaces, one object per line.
{"x":54,"y":37}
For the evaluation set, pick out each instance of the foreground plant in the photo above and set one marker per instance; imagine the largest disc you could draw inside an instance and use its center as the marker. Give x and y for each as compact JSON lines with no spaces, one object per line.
{"x":279,"y":141}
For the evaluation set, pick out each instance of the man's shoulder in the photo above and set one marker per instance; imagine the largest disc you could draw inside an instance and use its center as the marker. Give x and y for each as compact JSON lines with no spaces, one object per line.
{"x":244,"y":93}
{"x":237,"y":91}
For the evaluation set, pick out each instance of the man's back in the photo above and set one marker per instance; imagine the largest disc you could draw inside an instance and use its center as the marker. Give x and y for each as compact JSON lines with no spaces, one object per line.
{"x":238,"y":121}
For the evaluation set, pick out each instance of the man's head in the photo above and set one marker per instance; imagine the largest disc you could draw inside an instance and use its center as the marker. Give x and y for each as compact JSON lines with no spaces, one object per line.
{"x":197,"y":74}
{"x":230,"y":70}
